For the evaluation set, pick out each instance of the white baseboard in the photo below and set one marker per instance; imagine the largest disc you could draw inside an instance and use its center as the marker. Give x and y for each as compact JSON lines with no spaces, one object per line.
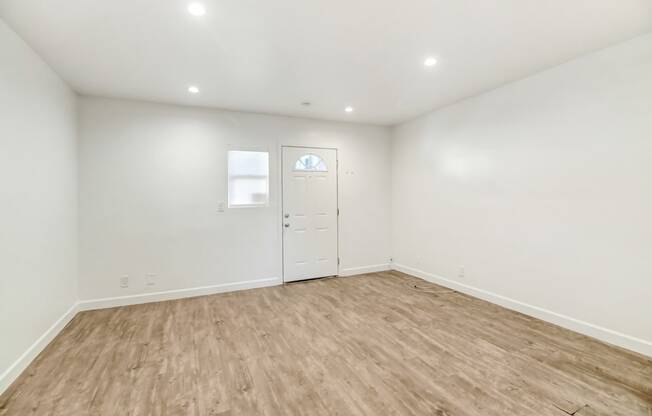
{"x":352,"y":271}
{"x":91,"y":304}
{"x":604,"y":334}
{"x":14,"y":370}
{"x":12,"y":373}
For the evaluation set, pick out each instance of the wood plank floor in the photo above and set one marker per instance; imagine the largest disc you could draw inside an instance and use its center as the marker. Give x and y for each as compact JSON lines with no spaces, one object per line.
{"x":378,"y":344}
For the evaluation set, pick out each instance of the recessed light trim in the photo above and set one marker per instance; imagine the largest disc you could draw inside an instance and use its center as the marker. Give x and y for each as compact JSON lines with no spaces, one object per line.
{"x":193,"y":89}
{"x":349,"y":109}
{"x":430,"y":61}
{"x":196,"y":9}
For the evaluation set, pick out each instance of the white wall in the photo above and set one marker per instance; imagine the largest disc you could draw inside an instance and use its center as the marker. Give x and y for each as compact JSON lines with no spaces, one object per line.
{"x":152,"y":176}
{"x":38,"y":201}
{"x":542,"y":189}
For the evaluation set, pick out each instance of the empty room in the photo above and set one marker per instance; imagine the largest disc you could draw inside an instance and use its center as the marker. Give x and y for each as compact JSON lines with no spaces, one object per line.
{"x":326,"y":207}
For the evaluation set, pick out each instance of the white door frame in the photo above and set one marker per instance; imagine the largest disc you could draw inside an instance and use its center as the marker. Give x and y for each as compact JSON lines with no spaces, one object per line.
{"x":337,"y":201}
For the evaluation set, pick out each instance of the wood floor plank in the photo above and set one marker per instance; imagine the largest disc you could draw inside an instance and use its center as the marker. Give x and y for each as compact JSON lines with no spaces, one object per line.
{"x":378,"y":344}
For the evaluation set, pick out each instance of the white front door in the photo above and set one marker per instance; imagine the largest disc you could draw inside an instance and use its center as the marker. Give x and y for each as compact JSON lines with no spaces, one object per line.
{"x":309,"y":213}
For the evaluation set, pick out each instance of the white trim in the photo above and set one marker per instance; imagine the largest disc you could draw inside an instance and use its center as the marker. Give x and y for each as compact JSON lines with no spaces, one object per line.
{"x":14,"y":370}
{"x":250,"y":149}
{"x":12,"y":373}
{"x":352,"y":271}
{"x":281,"y":209}
{"x":604,"y":334}
{"x":113,"y":302}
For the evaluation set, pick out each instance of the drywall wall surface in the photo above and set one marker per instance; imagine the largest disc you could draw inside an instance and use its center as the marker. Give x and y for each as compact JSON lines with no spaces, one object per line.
{"x":540,"y":190}
{"x":153,"y":177}
{"x":38,"y":200}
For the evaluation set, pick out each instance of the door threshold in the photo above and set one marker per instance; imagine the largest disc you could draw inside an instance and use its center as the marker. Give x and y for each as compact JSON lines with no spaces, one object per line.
{"x":310,"y":279}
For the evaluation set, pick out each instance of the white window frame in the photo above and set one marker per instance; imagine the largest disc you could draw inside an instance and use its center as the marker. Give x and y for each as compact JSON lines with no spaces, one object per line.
{"x":310,"y":170}
{"x":228,"y":176}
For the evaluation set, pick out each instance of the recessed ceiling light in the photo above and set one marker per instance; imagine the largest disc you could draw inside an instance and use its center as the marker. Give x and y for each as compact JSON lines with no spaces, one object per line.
{"x":430,"y":61}
{"x":349,"y":109}
{"x":196,"y":9}
{"x":193,"y":89}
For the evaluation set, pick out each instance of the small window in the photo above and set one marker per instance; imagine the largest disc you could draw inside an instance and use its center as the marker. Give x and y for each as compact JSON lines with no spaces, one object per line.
{"x":310,"y":162}
{"x":248,"y":178}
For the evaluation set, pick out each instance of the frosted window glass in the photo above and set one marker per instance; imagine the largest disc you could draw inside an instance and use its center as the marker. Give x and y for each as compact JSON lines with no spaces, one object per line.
{"x":248,"y":178}
{"x":310,"y":162}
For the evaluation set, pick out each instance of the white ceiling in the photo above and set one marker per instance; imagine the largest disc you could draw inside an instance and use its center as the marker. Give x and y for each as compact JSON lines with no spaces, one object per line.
{"x":270,"y":55}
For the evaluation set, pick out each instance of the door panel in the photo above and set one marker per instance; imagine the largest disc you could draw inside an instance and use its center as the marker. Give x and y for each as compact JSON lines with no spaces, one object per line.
{"x":309,"y":213}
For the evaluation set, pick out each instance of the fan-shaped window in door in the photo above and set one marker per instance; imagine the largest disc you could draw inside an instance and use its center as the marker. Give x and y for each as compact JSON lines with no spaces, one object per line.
{"x":310,"y":162}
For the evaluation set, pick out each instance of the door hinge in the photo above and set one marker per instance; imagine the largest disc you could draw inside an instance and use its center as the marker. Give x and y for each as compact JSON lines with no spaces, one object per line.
{"x":338,"y":211}
{"x":338,"y":261}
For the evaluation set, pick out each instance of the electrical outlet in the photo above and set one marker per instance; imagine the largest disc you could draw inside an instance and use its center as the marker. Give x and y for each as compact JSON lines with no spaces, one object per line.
{"x":150,"y":279}
{"x":124,"y":281}
{"x":220,"y":207}
{"x":461,"y":272}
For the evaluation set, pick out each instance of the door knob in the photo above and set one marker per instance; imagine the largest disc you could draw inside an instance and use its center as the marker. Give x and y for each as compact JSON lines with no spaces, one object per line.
{"x":286,"y":225}
{"x":287,"y":215}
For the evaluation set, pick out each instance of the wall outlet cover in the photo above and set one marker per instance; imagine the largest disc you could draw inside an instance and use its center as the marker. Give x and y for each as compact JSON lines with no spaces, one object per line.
{"x":150,"y":279}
